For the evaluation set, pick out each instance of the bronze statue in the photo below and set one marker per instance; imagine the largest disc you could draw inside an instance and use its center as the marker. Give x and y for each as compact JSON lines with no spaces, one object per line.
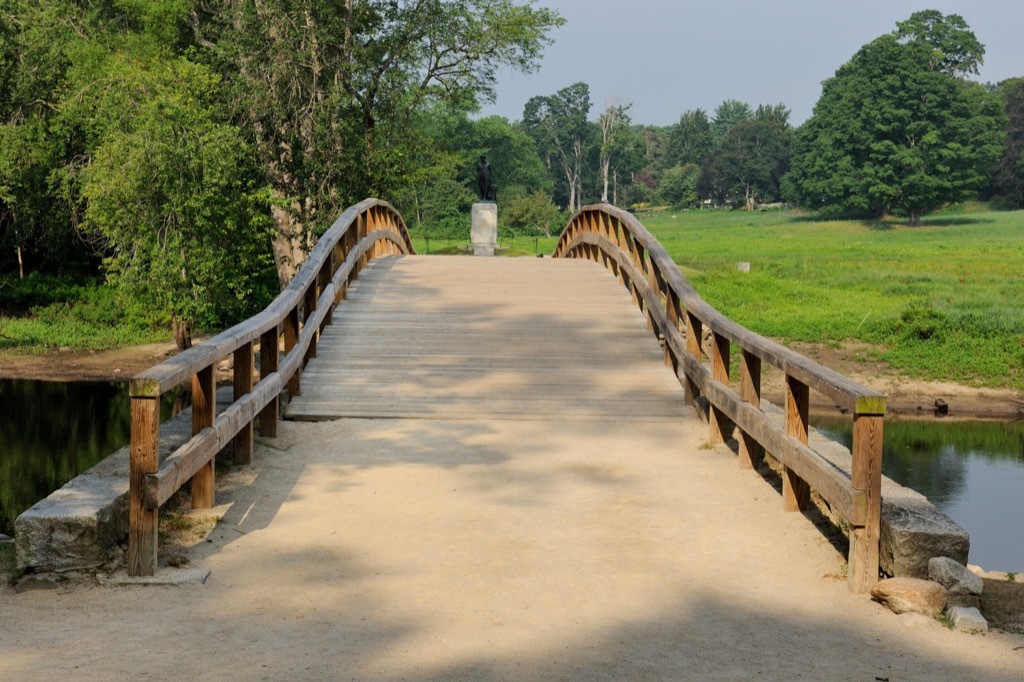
{"x":488,"y":192}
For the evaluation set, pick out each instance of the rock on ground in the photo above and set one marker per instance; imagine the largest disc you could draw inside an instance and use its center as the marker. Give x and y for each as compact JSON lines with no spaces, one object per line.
{"x":911,"y":595}
{"x":968,"y":619}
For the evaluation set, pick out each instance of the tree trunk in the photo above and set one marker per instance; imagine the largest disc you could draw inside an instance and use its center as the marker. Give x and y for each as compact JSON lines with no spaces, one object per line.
{"x":287,"y":245}
{"x":915,"y":218}
{"x":21,"y":264}
{"x":182,"y":333}
{"x":604,"y":178}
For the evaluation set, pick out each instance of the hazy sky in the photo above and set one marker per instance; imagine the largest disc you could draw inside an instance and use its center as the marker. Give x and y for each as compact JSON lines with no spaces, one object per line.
{"x":668,"y":56}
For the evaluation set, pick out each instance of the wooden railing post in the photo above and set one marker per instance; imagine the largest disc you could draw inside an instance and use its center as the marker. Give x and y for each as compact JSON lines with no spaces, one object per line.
{"x":144,"y":460}
{"x":795,"y":491}
{"x":309,"y":309}
{"x":694,"y":331}
{"x":291,"y":339}
{"x":866,"y":476}
{"x":204,"y":408}
{"x":751,"y":453}
{"x":268,"y":365}
{"x":241,"y":445}
{"x":718,"y":424}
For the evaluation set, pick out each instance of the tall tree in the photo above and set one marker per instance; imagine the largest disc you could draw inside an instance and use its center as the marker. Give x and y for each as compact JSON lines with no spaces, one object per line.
{"x":614,"y":126}
{"x":558,"y":124}
{"x":1008,"y":177}
{"x":753,"y":157}
{"x":328,"y":91}
{"x":727,"y":114}
{"x":691,"y":139}
{"x":895,"y":130}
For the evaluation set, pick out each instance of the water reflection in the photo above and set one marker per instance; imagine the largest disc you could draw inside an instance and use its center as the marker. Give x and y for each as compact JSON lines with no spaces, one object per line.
{"x":972,"y":471}
{"x":52,"y":431}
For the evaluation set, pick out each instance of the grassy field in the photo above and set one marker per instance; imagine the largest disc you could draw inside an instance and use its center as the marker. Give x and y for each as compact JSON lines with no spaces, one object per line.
{"x":940,"y":301}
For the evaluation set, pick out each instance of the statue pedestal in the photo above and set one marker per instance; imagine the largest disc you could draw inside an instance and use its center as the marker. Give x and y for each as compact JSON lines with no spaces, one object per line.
{"x":483,"y":235}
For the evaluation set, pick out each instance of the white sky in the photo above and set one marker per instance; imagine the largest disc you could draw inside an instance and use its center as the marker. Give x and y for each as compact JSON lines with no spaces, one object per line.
{"x":668,"y":56}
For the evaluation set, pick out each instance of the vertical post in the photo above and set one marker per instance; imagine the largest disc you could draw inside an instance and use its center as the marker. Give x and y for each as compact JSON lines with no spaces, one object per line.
{"x":143,"y":458}
{"x":268,"y":365}
{"x":309,"y":309}
{"x":694,"y":330}
{"x":719,"y":424}
{"x":751,"y":453}
{"x":241,"y":446}
{"x":204,"y":407}
{"x":326,"y":274}
{"x":866,"y":476}
{"x":291,"y":339}
{"x":795,"y":491}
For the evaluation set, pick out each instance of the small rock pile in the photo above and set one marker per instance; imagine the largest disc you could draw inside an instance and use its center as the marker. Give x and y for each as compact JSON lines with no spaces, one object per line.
{"x":951,"y":588}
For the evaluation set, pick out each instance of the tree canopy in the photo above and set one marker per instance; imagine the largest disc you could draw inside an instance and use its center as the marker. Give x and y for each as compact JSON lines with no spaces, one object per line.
{"x":896,"y":130}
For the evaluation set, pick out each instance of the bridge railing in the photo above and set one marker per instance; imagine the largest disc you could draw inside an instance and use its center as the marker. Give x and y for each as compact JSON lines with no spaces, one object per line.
{"x":674,"y":311}
{"x":365,"y":231}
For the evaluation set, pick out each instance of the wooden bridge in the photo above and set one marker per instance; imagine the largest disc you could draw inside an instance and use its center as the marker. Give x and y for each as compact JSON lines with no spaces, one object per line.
{"x":607,"y":330}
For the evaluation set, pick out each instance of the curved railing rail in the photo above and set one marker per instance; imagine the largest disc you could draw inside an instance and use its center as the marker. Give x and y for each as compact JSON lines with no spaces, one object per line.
{"x":674,"y":311}
{"x":365,"y":231}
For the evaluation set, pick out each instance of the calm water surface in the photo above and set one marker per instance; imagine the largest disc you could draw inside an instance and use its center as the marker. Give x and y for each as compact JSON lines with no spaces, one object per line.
{"x":972,"y":471}
{"x":52,"y":431}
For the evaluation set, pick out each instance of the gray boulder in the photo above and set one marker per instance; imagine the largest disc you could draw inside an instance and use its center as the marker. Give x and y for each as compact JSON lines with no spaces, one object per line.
{"x":954,"y":576}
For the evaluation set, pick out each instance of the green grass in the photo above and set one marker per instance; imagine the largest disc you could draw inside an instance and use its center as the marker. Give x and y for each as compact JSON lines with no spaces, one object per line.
{"x":941,"y":301}
{"x":47,"y":313}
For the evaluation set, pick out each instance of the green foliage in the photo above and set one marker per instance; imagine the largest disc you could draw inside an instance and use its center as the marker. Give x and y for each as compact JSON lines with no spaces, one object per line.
{"x":751,"y":160}
{"x":558,"y":125}
{"x":895,"y":131}
{"x":940,"y":301}
{"x":727,"y":114}
{"x":691,"y":139}
{"x":532,"y":214}
{"x":678,"y":186}
{"x":1008,"y":177}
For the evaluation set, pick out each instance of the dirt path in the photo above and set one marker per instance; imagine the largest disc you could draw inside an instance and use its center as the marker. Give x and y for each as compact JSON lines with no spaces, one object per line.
{"x":417,"y":549}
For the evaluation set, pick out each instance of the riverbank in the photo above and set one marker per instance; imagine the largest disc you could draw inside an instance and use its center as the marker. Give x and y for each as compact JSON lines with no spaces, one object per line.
{"x":907,"y":396}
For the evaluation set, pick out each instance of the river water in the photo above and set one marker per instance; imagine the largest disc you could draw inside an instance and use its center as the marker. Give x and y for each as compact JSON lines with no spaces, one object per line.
{"x":52,"y":431}
{"x":973,"y":471}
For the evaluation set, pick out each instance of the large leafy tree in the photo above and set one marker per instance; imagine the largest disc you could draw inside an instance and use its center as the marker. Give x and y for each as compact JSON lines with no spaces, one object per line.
{"x":558,"y":124}
{"x":329,"y":91}
{"x":752,"y":158}
{"x":691,"y":139}
{"x":897,"y":128}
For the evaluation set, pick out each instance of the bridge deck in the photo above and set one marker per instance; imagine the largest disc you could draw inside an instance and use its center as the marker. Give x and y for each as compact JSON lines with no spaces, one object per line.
{"x":457,"y":337}
{"x":492,"y":548}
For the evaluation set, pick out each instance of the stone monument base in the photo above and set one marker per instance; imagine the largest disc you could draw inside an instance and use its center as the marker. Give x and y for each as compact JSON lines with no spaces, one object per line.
{"x":483,"y":235}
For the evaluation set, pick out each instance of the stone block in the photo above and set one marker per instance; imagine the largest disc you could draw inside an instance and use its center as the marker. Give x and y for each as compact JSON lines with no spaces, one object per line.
{"x":914,"y":531}
{"x":968,"y":619}
{"x":483,"y":235}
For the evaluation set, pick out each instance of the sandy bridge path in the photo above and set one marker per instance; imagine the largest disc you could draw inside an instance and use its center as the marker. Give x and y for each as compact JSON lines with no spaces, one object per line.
{"x":415,"y":549}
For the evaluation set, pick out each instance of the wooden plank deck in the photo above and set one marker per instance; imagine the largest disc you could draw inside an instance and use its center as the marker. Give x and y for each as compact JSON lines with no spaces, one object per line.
{"x":463,"y":337}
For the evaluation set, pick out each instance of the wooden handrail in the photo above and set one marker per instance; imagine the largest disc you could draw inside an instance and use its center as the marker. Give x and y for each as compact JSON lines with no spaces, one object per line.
{"x":368,"y":230}
{"x":675,"y":312}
